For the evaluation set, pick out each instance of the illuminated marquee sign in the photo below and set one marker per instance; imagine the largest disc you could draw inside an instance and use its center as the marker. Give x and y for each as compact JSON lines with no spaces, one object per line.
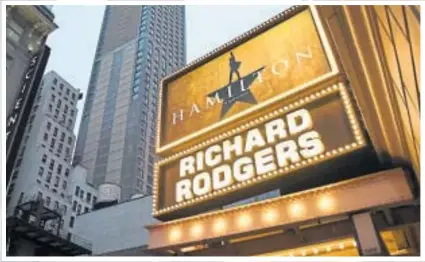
{"x":293,"y":137}
{"x":276,"y":60}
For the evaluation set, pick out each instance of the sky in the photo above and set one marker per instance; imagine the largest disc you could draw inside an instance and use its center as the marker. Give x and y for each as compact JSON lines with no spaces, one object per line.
{"x":73,"y":44}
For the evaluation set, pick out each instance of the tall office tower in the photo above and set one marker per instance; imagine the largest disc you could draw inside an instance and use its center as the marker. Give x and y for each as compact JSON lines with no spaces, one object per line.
{"x":137,"y":46}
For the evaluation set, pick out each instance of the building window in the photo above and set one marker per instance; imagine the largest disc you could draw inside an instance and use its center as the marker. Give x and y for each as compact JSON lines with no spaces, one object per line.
{"x":55,"y":132}
{"x":69,"y":123}
{"x":65,"y":209}
{"x":59,"y":170}
{"x":88,"y":197}
{"x":15,"y":174}
{"x":57,"y":179}
{"x":21,"y":196}
{"x":52,"y":164}
{"x":40,"y":171}
{"x":82,"y":194}
{"x":71,"y":222}
{"x":11,"y":188}
{"x":56,"y":207}
{"x":49,"y":177}
{"x":47,"y":202}
{"x":55,"y":81}
{"x":62,"y":137}
{"x":31,"y":120}
{"x":67,"y":172}
{"x":21,"y":154}
{"x":86,"y":210}
{"x":64,"y":184}
{"x":69,"y":140}
{"x":60,"y":146}
{"x":45,"y":137}
{"x":67,"y":91}
{"x":52,"y":143}
{"x":61,"y":86}
{"x":77,"y":190}
{"x":149,"y":190}
{"x":94,"y":200}
{"x":74,"y":206}
{"x":44,"y":159}
{"x":79,"y":209}
{"x":8,"y":62}
{"x":14,"y":31}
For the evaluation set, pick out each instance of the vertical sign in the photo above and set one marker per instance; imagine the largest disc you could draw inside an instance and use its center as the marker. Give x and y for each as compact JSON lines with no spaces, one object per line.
{"x":19,"y":116}
{"x":13,"y":119}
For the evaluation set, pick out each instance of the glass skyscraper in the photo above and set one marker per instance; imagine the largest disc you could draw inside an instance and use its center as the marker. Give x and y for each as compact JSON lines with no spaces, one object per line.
{"x":137,"y":46}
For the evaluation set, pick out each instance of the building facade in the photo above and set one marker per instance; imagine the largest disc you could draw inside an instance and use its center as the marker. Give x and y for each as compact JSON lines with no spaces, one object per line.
{"x":83,"y":196}
{"x":355,"y":199}
{"x":41,"y":176}
{"x":137,"y":46}
{"x":43,"y":165}
{"x":27,"y":28}
{"x":117,"y":230}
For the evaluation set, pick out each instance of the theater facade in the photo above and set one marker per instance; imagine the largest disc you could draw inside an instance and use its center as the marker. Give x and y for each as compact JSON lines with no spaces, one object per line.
{"x":319,"y":102}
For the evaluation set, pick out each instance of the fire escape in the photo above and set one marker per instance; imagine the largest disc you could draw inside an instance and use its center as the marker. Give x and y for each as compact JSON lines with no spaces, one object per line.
{"x":32,"y":222}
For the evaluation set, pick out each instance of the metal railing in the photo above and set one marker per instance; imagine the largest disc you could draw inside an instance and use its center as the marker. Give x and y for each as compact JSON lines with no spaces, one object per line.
{"x":81,"y":241}
{"x":76,"y":239}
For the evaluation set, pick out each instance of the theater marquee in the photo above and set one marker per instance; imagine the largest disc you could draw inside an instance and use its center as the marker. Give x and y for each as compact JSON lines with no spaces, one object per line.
{"x":276,"y":60}
{"x":294,"y":137}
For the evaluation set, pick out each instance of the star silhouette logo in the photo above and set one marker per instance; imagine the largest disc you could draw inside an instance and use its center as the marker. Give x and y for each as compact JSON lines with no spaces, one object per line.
{"x":238,"y":90}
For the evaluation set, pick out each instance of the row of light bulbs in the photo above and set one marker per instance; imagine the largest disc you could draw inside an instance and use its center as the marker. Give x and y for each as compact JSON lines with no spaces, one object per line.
{"x":314,"y":251}
{"x":245,"y":220}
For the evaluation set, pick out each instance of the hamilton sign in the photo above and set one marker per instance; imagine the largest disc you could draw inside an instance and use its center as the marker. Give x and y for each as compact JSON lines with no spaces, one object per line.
{"x":263,"y":112}
{"x":201,"y":100}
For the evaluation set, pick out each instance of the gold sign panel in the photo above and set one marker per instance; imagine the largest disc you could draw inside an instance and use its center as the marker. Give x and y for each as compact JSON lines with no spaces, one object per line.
{"x":281,"y":60}
{"x":256,"y":156}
